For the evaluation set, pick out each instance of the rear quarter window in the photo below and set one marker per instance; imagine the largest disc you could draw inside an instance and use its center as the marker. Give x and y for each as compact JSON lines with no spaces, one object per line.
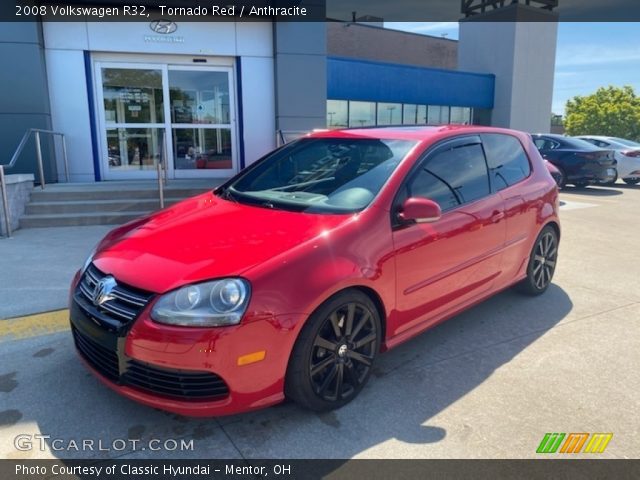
{"x":507,"y":160}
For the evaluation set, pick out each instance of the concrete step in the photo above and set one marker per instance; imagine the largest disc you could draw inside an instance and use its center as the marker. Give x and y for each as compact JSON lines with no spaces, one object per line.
{"x":52,"y":195}
{"x":75,"y":219}
{"x":104,"y":203}
{"x":97,"y":206}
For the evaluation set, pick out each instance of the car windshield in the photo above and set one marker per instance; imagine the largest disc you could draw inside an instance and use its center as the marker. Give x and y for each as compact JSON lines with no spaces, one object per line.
{"x":320,"y":175}
{"x":625,"y":142}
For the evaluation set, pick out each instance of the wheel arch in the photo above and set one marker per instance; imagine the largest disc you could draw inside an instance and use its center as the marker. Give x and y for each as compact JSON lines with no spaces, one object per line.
{"x":370,"y":292}
{"x":377,"y":301}
{"x":553,"y":224}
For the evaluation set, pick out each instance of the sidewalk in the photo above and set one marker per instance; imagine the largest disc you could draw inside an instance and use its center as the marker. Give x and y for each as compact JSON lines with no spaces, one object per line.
{"x":37,"y":265}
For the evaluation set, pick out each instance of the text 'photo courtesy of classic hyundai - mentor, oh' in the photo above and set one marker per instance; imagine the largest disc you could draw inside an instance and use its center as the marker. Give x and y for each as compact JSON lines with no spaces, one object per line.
{"x":289,"y":280}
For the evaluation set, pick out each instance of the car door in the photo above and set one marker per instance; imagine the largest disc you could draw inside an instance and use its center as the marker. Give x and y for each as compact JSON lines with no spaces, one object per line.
{"x":558,"y":154}
{"x":444,"y":264}
{"x":509,"y":167}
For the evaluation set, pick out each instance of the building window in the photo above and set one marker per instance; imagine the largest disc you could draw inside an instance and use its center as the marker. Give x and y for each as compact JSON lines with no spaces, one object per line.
{"x":337,"y":113}
{"x":433,"y":116}
{"x":343,"y":113}
{"x":389,"y":113}
{"x":409,"y":114}
{"x":422,"y":115}
{"x":460,"y":115}
{"x":468,"y":115}
{"x":444,"y":115}
{"x":362,"y":114}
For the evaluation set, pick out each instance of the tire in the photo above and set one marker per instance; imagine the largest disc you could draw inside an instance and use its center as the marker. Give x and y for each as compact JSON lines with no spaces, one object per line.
{"x":333,"y":356}
{"x":562,"y":181}
{"x":542,"y":263}
{"x":631,"y":181}
{"x":612,"y":181}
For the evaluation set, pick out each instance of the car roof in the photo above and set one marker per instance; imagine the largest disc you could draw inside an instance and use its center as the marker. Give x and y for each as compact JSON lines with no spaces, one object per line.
{"x":407,"y":132}
{"x":551,"y":135}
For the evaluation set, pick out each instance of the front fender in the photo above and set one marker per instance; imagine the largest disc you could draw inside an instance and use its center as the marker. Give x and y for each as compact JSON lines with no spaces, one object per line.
{"x":302,"y":279}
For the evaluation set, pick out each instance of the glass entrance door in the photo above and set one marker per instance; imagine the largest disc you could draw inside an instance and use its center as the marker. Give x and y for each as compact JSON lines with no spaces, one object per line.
{"x":201,"y":121}
{"x":146,"y":109}
{"x":133,"y":115}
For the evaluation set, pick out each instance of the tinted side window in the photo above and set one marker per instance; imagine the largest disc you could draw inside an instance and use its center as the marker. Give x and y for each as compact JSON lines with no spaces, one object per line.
{"x":508,"y":162}
{"x":540,"y":143}
{"x":545,"y":144}
{"x":452,"y":177}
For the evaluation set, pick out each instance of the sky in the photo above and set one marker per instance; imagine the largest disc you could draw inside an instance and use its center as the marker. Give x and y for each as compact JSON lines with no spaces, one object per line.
{"x":588,"y":56}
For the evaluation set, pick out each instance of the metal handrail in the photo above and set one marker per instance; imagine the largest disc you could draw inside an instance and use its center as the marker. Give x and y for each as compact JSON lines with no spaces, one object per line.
{"x":5,"y":202}
{"x":22,"y":144}
{"x":14,"y":159}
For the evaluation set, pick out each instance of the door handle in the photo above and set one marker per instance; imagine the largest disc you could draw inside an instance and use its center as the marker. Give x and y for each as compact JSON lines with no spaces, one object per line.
{"x":497,"y":216}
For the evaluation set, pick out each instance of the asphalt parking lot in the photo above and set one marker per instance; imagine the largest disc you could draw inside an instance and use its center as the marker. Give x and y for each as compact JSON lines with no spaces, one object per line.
{"x":486,"y":384}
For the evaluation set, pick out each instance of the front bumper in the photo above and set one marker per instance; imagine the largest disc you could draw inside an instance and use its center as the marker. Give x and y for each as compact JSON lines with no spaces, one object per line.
{"x":188,"y":371}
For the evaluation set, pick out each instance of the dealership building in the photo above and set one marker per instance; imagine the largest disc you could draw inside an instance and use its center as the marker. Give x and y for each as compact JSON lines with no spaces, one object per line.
{"x":210,"y":98}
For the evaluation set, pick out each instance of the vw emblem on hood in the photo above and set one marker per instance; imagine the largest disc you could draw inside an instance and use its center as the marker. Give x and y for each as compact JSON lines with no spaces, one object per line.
{"x":103,"y":290}
{"x":163,"y":27}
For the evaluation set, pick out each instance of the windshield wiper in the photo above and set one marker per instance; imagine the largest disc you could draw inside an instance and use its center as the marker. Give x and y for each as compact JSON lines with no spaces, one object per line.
{"x":227,"y":195}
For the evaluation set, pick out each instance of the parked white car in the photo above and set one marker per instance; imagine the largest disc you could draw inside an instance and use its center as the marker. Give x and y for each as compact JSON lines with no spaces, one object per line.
{"x":627,"y":155}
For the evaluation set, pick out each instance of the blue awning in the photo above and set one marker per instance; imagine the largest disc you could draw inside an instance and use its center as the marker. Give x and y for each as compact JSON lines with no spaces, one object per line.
{"x":351,"y":79}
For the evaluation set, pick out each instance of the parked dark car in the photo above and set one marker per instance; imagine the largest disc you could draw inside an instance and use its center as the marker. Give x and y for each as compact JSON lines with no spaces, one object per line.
{"x":579,"y":162}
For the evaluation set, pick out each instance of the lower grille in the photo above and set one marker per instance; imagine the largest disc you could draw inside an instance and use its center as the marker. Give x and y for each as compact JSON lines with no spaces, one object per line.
{"x":181,"y":384}
{"x":105,"y":361}
{"x":174,"y":383}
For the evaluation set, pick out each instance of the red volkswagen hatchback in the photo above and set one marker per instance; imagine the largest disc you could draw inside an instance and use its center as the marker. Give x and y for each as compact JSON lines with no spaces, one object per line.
{"x":289,"y":279}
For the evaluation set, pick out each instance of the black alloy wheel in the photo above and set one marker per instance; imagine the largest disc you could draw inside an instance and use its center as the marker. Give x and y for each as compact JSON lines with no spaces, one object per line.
{"x":334,"y":354}
{"x":542,"y":263}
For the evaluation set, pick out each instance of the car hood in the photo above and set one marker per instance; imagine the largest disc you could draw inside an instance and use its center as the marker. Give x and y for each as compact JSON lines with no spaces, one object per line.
{"x":202,"y":238}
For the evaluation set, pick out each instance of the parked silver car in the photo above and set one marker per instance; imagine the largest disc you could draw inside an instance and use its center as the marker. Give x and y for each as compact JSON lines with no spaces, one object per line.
{"x":627,"y":155}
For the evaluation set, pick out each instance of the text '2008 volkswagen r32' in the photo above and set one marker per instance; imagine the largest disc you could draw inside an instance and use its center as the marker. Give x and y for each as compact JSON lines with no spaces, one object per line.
{"x":289,"y":279}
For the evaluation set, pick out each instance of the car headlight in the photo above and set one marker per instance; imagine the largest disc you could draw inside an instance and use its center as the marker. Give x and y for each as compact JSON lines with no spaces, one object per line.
{"x":209,"y":304}
{"x":88,"y":261}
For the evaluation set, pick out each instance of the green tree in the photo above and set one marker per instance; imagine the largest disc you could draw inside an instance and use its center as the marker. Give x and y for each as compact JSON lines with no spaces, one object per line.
{"x":610,"y":111}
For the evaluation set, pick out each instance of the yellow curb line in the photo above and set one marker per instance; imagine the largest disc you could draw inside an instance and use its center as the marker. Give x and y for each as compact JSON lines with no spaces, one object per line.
{"x":34,"y":325}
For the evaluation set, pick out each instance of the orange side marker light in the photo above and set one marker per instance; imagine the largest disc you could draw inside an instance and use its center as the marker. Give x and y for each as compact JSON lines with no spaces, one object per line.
{"x":252,"y":358}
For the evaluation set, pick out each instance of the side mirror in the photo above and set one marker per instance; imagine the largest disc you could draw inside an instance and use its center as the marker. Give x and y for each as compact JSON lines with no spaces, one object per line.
{"x":420,"y":210}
